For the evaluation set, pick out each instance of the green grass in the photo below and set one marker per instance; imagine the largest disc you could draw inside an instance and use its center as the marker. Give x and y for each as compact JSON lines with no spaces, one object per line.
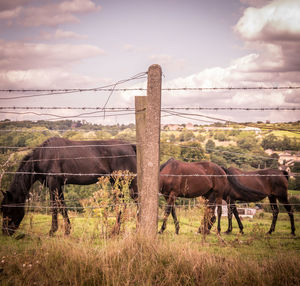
{"x":286,"y":133}
{"x":294,"y":192}
{"x":86,"y":258}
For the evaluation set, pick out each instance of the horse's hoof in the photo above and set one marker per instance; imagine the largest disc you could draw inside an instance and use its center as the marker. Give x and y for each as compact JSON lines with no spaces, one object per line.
{"x":294,"y":234}
{"x":227,"y":232}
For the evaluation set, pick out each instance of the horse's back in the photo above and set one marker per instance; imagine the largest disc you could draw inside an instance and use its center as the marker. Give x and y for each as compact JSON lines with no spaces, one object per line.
{"x":271,"y":181}
{"x":60,"y":155}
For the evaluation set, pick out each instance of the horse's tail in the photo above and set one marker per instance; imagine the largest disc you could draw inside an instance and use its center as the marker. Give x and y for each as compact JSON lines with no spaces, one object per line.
{"x":286,"y":174}
{"x":133,"y":147}
{"x":245,"y":193}
{"x":166,"y":163}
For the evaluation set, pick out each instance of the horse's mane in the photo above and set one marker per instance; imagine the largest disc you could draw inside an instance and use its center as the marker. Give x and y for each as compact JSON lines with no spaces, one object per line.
{"x":27,"y":159}
{"x":166,"y":163}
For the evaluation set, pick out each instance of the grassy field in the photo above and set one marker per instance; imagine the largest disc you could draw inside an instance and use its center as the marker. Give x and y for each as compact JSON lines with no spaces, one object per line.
{"x":85,"y":257}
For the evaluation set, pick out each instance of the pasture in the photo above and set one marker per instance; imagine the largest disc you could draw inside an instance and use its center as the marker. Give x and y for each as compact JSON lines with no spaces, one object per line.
{"x":90,"y":257}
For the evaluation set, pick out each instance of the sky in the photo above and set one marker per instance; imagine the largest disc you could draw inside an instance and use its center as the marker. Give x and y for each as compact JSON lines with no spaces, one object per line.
{"x":86,"y":44}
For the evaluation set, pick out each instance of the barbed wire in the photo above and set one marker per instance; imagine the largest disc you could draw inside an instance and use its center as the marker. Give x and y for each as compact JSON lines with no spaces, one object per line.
{"x":177,"y":204}
{"x":71,"y":146}
{"x":76,"y":158}
{"x":162,"y":108}
{"x":47,"y":92}
{"x":142,"y":75}
{"x":64,"y":117}
{"x":184,"y":115}
{"x":233,"y":108}
{"x":135,"y":175}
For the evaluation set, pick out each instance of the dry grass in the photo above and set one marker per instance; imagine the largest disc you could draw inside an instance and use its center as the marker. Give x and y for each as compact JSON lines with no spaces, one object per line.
{"x":133,"y":260}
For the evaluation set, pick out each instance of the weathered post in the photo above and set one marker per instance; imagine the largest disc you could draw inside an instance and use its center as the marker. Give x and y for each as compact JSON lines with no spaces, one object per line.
{"x":140,"y":119}
{"x":149,"y":181}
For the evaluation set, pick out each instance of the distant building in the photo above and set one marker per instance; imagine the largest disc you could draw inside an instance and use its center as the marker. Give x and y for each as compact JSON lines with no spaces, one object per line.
{"x":288,"y":158}
{"x":190,"y":126}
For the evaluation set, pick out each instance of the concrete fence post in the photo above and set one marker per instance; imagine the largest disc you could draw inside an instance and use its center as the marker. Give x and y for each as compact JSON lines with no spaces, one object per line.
{"x":148,"y":152}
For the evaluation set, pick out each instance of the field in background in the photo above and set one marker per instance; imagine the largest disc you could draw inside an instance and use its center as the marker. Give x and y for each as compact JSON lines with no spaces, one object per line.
{"x":31,"y":257}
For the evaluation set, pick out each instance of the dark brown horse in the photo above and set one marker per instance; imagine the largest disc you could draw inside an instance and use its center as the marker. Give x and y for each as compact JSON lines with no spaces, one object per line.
{"x":58,"y":162}
{"x":270,"y":183}
{"x":190,"y":180}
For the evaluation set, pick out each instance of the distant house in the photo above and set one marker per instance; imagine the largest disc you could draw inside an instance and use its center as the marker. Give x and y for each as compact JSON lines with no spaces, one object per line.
{"x":243,"y":211}
{"x":255,"y":129}
{"x":288,"y":158}
{"x":190,"y":126}
{"x":172,"y":127}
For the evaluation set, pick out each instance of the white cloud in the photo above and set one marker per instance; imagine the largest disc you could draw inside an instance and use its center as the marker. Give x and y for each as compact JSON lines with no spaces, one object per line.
{"x":22,"y":63}
{"x":62,"y":34}
{"x":278,"y":20}
{"x":49,"y":14}
{"x":22,"y":56}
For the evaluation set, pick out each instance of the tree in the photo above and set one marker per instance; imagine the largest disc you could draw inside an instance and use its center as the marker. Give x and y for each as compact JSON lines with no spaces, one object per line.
{"x":210,"y":146}
{"x":192,"y":152}
{"x":270,"y":142}
{"x":248,"y":143}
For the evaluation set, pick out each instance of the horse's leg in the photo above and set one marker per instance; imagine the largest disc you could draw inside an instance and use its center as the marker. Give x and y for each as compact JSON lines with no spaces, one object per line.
{"x":219,"y":204}
{"x":175,"y":220}
{"x":229,"y":216}
{"x":64,"y":211}
{"x":275,"y":212}
{"x":236,"y":215}
{"x":289,"y":210}
{"x":168,"y":209}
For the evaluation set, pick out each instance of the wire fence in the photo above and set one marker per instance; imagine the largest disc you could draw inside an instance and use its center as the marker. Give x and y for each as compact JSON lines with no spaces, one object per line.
{"x":104,"y":111}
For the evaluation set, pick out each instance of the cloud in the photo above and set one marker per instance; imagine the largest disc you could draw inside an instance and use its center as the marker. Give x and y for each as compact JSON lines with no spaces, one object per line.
{"x":22,"y":63}
{"x":10,"y":14}
{"x":47,"y":78}
{"x":62,"y":34}
{"x":23,"y":56}
{"x":46,"y":15}
{"x":255,"y":3}
{"x":277,"y":21}
{"x":274,"y":31}
{"x":12,"y":4}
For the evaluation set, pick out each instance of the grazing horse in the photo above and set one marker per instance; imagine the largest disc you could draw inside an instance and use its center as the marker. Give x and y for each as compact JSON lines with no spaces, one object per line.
{"x":190,"y":180}
{"x":271,"y":183}
{"x":58,"y":162}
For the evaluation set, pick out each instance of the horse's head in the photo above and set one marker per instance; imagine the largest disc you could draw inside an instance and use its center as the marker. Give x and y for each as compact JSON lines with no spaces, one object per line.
{"x":12,"y":214}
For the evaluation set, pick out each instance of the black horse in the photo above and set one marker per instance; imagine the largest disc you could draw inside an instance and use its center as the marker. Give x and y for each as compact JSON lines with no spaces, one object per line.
{"x":190,"y":180}
{"x":271,"y":183}
{"x":58,"y":162}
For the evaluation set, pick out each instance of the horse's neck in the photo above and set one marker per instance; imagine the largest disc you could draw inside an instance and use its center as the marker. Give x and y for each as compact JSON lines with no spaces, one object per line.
{"x":21,"y":185}
{"x":23,"y":179}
